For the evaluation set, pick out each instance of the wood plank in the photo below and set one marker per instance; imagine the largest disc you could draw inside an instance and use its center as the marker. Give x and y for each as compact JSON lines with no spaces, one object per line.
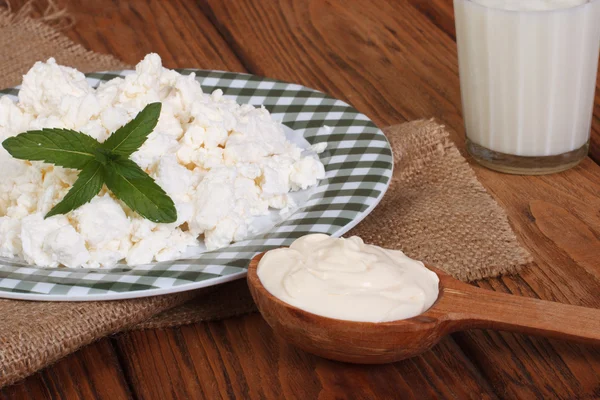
{"x":143,"y":363}
{"x":91,"y":373}
{"x":176,"y":29}
{"x":555,"y":369}
{"x":393,"y":64}
{"x":129,"y":30}
{"x":241,"y":358}
{"x":161,"y":375}
{"x":441,"y":13}
{"x":380,"y":82}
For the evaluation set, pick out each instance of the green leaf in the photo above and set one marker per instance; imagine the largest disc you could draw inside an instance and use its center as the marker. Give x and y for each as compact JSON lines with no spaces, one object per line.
{"x":100,"y":164}
{"x":86,"y":187}
{"x":104,"y":156}
{"x":130,"y":137}
{"x":138,"y":190}
{"x":62,"y":147}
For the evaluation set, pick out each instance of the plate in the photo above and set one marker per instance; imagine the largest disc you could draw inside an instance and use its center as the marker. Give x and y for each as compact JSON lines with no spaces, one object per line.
{"x":358,"y":163}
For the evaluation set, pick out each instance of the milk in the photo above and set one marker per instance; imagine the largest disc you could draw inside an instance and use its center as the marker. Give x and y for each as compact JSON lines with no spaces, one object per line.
{"x":528,"y":73}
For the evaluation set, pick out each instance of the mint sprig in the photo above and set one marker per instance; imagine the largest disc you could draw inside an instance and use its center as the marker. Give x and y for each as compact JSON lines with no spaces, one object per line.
{"x":131,"y":184}
{"x":100,"y":163}
{"x":62,"y":147}
{"x":127,"y":139}
{"x":86,"y":187}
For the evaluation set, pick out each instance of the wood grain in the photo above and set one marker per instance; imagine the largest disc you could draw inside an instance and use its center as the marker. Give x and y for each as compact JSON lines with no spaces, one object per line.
{"x":394,"y":60}
{"x":112,"y":27}
{"x":242,"y":358}
{"x":395,"y":68}
{"x":91,"y":373}
{"x":459,"y":306}
{"x":175,"y":29}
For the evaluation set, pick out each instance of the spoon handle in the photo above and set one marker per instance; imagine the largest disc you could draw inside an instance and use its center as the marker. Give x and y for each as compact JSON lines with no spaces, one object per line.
{"x":470,"y":307}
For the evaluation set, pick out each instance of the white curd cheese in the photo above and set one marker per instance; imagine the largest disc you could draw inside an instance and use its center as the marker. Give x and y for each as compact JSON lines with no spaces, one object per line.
{"x":38,"y":235}
{"x":348,"y":279}
{"x":222,"y":163}
{"x":67,"y":247}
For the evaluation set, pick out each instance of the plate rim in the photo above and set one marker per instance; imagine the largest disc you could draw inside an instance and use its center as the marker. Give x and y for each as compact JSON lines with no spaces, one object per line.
{"x":175,"y":289}
{"x":207,"y":282}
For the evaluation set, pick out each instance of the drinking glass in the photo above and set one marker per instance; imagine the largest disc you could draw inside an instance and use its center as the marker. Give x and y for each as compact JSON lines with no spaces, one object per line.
{"x":528,"y":79}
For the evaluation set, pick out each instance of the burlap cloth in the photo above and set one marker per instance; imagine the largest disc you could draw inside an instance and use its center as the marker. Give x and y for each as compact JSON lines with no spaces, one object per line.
{"x":435,"y":210}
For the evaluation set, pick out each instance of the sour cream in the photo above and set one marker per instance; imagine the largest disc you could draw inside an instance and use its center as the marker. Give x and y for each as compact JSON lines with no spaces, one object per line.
{"x":349,"y":280}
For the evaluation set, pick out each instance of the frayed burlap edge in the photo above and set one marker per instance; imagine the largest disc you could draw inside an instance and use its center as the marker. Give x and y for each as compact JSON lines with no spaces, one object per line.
{"x":225,"y":301}
{"x":437,"y":211}
{"x":26,"y":346}
{"x":52,"y":15}
{"x":34,"y":335}
{"x":25,"y":40}
{"x":423,"y":152}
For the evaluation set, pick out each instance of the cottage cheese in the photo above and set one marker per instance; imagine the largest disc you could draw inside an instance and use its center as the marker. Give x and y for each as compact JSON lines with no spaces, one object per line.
{"x":222,"y":163}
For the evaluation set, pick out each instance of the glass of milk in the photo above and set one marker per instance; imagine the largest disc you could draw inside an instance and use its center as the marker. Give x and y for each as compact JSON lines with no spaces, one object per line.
{"x":528,"y":79}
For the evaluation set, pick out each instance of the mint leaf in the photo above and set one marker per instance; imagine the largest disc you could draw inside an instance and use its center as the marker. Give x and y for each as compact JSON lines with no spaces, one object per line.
{"x":62,"y":147}
{"x":104,"y":156}
{"x":100,"y":164}
{"x":138,"y":190}
{"x":130,"y":137}
{"x":86,"y":187}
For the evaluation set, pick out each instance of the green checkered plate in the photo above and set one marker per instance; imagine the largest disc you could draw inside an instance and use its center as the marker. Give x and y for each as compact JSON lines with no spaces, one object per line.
{"x":358,"y":163}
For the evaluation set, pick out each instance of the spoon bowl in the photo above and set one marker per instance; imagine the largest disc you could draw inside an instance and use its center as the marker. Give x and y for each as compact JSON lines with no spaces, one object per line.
{"x":459,"y":306}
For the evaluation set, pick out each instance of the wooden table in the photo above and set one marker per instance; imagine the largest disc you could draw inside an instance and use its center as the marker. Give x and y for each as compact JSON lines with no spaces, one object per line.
{"x":395,"y":61}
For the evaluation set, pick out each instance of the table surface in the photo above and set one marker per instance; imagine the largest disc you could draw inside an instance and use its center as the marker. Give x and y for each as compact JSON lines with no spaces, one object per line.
{"x":395,"y":61}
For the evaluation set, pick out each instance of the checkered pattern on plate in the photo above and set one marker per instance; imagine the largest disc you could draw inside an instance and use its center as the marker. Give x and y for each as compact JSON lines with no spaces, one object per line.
{"x":358,"y":163}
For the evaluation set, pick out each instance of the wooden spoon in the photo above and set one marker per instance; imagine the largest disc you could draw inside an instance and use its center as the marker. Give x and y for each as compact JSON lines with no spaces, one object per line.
{"x":459,"y":306}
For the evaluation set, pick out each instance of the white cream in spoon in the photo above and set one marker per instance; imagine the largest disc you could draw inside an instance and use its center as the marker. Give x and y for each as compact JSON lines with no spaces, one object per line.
{"x":348,"y":279}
